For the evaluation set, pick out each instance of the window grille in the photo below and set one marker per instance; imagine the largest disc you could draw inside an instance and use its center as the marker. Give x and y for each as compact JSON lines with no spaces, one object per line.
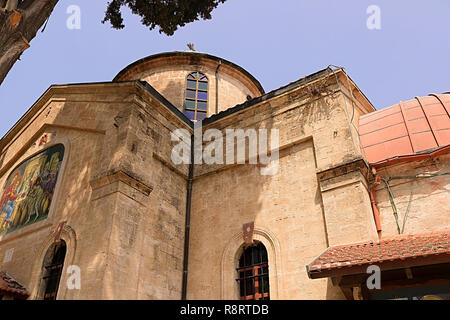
{"x":253,"y":273}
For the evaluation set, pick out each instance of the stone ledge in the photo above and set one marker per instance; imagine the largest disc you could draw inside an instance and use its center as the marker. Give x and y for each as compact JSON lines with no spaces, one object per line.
{"x":27,"y":230}
{"x":120,"y":176}
{"x":355,"y":165}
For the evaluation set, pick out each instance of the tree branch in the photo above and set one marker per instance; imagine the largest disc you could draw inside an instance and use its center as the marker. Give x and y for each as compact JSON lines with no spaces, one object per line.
{"x":18,"y":28}
{"x":11,"y":5}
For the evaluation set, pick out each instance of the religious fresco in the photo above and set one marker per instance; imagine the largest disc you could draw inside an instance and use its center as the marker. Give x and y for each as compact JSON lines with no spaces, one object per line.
{"x":29,"y":190}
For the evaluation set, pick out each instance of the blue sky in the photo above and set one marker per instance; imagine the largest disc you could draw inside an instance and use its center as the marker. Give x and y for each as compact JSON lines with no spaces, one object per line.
{"x":278,"y":41}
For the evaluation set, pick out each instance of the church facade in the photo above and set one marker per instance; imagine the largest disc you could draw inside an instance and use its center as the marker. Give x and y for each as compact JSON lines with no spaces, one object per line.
{"x":93,"y":205}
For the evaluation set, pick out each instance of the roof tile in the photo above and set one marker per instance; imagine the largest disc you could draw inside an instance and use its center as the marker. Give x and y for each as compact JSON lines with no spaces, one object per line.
{"x":397,"y":248}
{"x":10,"y":286}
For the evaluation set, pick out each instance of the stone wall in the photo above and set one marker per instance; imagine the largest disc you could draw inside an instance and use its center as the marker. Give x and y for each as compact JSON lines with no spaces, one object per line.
{"x":121,"y":201}
{"x":123,"y":207}
{"x":297,"y":212}
{"x":429,"y":206}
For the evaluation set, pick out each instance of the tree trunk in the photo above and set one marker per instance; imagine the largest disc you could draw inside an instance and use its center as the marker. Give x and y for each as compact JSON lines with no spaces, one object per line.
{"x":18,"y":27}
{"x":11,"y":5}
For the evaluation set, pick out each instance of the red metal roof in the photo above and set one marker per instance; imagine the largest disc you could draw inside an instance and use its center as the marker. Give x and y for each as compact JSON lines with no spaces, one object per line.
{"x":10,"y":287}
{"x":392,"y":253}
{"x":407,"y":128}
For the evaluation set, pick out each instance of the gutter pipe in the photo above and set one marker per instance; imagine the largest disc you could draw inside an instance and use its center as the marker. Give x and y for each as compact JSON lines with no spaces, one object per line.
{"x":187,"y":223}
{"x":373,"y":200}
{"x":217,"y":86}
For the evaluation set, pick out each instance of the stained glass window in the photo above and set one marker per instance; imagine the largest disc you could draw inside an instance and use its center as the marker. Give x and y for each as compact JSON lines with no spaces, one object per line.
{"x":196,"y":102}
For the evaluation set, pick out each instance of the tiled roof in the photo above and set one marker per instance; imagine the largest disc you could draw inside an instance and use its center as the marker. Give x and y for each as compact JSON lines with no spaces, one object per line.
{"x":393,"y":253}
{"x":9,"y":286}
{"x":406,"y":128}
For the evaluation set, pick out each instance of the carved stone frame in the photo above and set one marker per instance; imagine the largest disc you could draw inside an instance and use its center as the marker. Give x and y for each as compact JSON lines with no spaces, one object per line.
{"x":69,"y":236}
{"x":230,"y":259}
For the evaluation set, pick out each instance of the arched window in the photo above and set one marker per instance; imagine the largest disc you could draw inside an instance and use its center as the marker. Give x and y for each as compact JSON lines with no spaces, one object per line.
{"x":52,"y":270}
{"x":253,"y":272}
{"x":196,"y":102}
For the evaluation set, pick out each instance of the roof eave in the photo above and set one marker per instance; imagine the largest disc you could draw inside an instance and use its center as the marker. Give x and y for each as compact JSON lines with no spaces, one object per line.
{"x":50,"y":91}
{"x":412,"y":157}
{"x":272,"y":94}
{"x":385,"y":265}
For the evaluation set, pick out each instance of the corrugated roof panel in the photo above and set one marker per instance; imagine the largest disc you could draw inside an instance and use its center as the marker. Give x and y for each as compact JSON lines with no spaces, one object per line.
{"x":379,"y":114}
{"x":417,"y":125}
{"x":432,"y":110}
{"x":411,"y":113}
{"x":440,"y":122}
{"x":383,"y":151}
{"x":376,"y":153}
{"x":442,"y":136}
{"x":390,"y":120}
{"x":423,"y":141}
{"x":445,"y":98}
{"x":384,"y":134}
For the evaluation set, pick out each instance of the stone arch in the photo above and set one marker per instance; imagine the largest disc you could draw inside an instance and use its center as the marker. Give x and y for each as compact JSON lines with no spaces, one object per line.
{"x":230,"y":258}
{"x":69,"y":236}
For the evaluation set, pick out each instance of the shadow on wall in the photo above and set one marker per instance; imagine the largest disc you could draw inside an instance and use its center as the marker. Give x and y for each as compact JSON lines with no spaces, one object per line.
{"x":226,"y":199}
{"x":222,"y":202}
{"x":73,"y":199}
{"x":174,"y":92}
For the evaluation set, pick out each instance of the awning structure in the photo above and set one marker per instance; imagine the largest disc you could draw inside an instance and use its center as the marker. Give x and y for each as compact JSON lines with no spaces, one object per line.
{"x":399,"y":252}
{"x":405,"y":261}
{"x":11,"y":288}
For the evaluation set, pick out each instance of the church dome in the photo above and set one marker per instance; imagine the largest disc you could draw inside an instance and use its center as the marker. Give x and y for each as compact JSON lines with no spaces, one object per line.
{"x":198,"y":84}
{"x":407,"y":128}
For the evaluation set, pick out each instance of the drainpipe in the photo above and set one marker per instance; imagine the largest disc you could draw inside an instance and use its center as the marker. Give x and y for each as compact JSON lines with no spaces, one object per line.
{"x":188,"y":223}
{"x":217,"y":86}
{"x":373,"y":200}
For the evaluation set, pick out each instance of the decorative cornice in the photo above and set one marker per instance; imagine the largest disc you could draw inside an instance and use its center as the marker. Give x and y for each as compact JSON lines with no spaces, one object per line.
{"x":342,"y":169}
{"x":121,"y":176}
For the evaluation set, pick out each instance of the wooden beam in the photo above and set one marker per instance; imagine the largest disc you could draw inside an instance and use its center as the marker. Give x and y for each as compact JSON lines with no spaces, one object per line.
{"x":416,"y":282}
{"x":348,"y":293}
{"x":408,"y":272}
{"x":357,"y":295}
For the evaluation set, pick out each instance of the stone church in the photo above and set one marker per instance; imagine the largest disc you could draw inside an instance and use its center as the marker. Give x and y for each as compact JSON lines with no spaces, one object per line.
{"x":93,"y":206}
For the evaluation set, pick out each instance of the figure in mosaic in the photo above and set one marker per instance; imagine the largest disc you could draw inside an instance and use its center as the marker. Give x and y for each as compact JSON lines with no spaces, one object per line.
{"x":29,"y":190}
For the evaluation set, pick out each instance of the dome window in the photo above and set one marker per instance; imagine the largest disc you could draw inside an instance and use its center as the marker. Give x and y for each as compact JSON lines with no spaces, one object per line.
{"x":196,"y":102}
